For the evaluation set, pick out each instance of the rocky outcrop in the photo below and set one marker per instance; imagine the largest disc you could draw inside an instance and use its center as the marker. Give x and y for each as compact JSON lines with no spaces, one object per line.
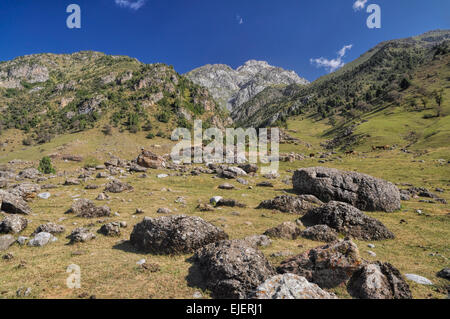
{"x":80,"y":235}
{"x":86,"y":208}
{"x":42,"y":239}
{"x":378,"y":281}
{"x":176,"y":234}
{"x":232,"y":269}
{"x":116,"y":186}
{"x":232,"y":88}
{"x":149,"y":159}
{"x":360,"y":190}
{"x":346,"y":219}
{"x":13,"y":204}
{"x":328,"y":266}
{"x":290,"y":286}
{"x":51,"y":228}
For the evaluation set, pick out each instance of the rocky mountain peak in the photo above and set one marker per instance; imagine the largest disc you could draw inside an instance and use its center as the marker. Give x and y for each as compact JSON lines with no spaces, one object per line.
{"x":232,"y":88}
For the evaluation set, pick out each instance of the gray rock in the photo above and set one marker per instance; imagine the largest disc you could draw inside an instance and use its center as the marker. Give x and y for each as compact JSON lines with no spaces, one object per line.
{"x":418,"y":279}
{"x":164,"y":210}
{"x":42,"y":239}
{"x":51,"y":228}
{"x":348,"y":220}
{"x":226,"y":186}
{"x":290,"y":286}
{"x":286,"y":230}
{"x":13,"y":224}
{"x":175,"y":234}
{"x":13,"y":204}
{"x":258,"y":240}
{"x":320,"y":233}
{"x":6,"y":241}
{"x":85,"y":208}
{"x":81,"y":235}
{"x":116,"y":186}
{"x":111,"y":229}
{"x":444,"y":273}
{"x":231,"y":269}
{"x":360,"y":190}
{"x":22,"y":240}
{"x":378,"y":281}
{"x":328,"y":266}
{"x":287,"y":204}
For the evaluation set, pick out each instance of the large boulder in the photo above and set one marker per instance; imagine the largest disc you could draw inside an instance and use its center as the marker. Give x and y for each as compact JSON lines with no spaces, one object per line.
{"x":286,"y":230}
{"x":232,"y":269}
{"x":13,"y":204}
{"x":51,"y":228}
{"x":149,"y":159}
{"x":328,"y":266}
{"x":346,"y":219}
{"x":290,"y":286}
{"x":116,"y":186}
{"x":177,"y":234}
{"x":320,"y":233}
{"x":287,"y":204}
{"x":362,"y":191}
{"x":25,"y":190}
{"x":42,"y":239}
{"x":13,"y":224}
{"x":86,"y":208}
{"x":378,"y":281}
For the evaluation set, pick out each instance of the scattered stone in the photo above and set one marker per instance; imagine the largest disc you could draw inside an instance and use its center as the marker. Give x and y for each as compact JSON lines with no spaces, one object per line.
{"x":214,"y":200}
{"x":265,"y":184}
{"x":176,"y":234}
{"x":86,"y":208}
{"x":230,"y":203}
{"x":6,"y":241}
{"x":91,"y":186}
{"x":348,"y":220}
{"x":205,"y":208}
{"x":139,"y":211}
{"x":283,"y":253}
{"x":51,"y":228}
{"x":378,"y":281}
{"x":371,"y":253}
{"x":22,"y":240}
{"x":45,"y":195}
{"x":102,"y":197}
{"x":242,"y":181}
{"x":29,"y":173}
{"x":232,"y":269}
{"x":42,"y":239}
{"x":320,"y":233}
{"x":150,"y":267}
{"x":444,"y":273}
{"x":180,"y":200}
{"x":164,"y":210}
{"x":290,"y":286}
{"x":372,"y":246}
{"x":287,"y":204}
{"x":23,"y":292}
{"x":13,"y":204}
{"x":80,"y":235}
{"x":286,"y":230}
{"x":13,"y":224}
{"x":102,"y":175}
{"x":360,"y":190}
{"x":249,"y":168}
{"x":116,"y":186}
{"x":418,"y":279}
{"x":111,"y":229}
{"x":71,"y":182}
{"x":162,"y":175}
{"x":8,"y":256}
{"x":328,"y":266}
{"x":227,"y":186}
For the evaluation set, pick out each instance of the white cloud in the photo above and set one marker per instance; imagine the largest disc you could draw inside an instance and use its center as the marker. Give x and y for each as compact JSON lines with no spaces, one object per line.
{"x":333,"y":64}
{"x":135,"y":5}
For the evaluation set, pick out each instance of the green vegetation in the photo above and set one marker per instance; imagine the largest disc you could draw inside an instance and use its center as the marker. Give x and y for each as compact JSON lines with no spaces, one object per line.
{"x":45,"y":166}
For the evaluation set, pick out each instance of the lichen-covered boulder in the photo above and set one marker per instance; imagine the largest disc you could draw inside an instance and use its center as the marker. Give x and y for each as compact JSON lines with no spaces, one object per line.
{"x":360,"y":190}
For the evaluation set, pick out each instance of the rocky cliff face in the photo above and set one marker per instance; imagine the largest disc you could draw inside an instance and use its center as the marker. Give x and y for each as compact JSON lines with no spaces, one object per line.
{"x":232,"y":88}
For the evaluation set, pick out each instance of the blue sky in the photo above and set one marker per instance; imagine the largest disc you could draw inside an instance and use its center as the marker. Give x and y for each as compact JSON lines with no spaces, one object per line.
{"x":293,"y":34}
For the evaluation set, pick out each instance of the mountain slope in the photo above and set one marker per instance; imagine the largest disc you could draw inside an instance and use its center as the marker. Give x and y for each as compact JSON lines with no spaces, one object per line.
{"x":48,"y":94}
{"x":231,"y":88}
{"x":396,"y":76}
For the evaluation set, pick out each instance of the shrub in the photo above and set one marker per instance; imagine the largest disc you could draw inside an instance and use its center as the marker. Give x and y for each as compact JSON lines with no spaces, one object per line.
{"x":45,"y":166}
{"x":150,"y":136}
